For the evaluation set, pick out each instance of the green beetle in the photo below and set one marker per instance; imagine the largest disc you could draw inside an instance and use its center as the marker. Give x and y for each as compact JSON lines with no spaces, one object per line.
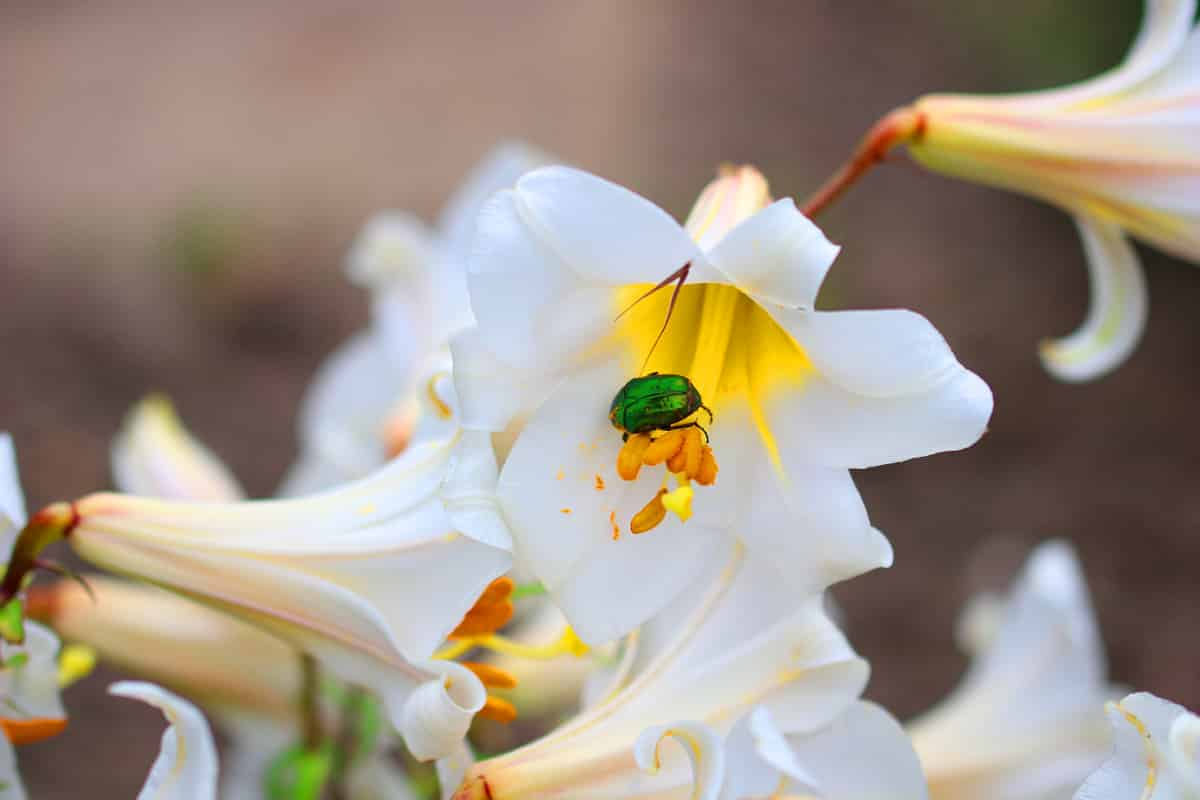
{"x":656,"y":402}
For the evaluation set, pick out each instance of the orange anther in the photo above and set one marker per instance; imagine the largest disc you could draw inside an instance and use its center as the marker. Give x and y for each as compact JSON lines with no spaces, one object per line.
{"x":650,"y":515}
{"x":706,"y":475}
{"x":28,"y":731}
{"x":498,"y":709}
{"x":491,"y":611}
{"x":629,"y":459}
{"x":663,"y":448}
{"x":693,"y":448}
{"x":491,"y":676}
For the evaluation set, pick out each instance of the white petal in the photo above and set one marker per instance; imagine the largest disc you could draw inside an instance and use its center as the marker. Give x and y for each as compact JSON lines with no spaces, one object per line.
{"x":833,"y":427}
{"x":875,"y":353}
{"x":606,"y":581}
{"x":1116,"y":313}
{"x":437,"y":715}
{"x":254,"y":742}
{"x":1141,"y":764}
{"x":452,"y":769}
{"x":31,"y":690}
{"x":11,"y":786}
{"x":1165,"y":28}
{"x":469,"y":491}
{"x":186,"y":767}
{"x":605,"y":233}
{"x":1027,"y":713}
{"x":344,"y":415}
{"x":702,"y":746}
{"x":491,"y":392}
{"x":393,"y":246}
{"x":154,"y":455}
{"x":500,"y":169}
{"x":758,"y":759}
{"x":12,"y":499}
{"x":778,"y":255}
{"x":863,"y":755}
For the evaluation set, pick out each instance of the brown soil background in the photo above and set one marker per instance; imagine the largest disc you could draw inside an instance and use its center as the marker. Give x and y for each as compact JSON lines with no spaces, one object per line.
{"x":179,"y":182}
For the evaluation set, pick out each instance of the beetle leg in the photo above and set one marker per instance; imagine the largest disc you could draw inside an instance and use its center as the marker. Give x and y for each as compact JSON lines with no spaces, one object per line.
{"x":686,"y":425}
{"x":708,"y":411}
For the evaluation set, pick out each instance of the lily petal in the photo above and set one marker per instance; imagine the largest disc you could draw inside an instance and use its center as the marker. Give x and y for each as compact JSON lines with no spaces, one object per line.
{"x":32,"y":709}
{"x":12,"y":499}
{"x":156,"y":456}
{"x":437,"y":715}
{"x":186,"y":767}
{"x":702,"y":746}
{"x":11,"y":786}
{"x":1116,"y":313}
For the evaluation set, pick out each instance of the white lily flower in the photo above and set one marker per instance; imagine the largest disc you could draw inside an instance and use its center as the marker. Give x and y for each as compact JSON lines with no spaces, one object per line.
{"x":862,"y":755}
{"x":347,"y":575}
{"x":186,"y":767}
{"x":362,"y":407}
{"x":739,"y":637}
{"x":798,"y":396}
{"x":1157,"y":753}
{"x":1026,"y":720}
{"x":1119,"y":152}
{"x":11,"y":786}
{"x":12,"y":499}
{"x":30,"y":707}
{"x":156,"y":456}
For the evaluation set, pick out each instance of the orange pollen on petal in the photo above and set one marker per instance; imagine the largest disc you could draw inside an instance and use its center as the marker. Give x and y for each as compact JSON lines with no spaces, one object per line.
{"x":492,"y":676}
{"x":28,"y":731}
{"x":650,"y":516}
{"x":498,"y":709}
{"x":491,"y":612}
{"x":599,"y":483}
{"x":565,"y":510}
{"x":616,"y":529}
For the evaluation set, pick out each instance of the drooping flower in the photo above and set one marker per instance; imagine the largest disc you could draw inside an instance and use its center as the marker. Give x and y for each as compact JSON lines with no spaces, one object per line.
{"x":862,"y":755}
{"x":1157,"y":752}
{"x":186,"y":767}
{"x":739,"y":637}
{"x":368,"y":578}
{"x":797,"y":396}
{"x":1027,"y":720}
{"x":362,"y":407}
{"x":1119,"y":152}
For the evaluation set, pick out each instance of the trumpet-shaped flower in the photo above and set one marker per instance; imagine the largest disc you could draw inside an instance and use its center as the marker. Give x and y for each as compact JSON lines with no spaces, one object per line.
{"x":559,"y":285}
{"x":186,"y":767}
{"x":1026,"y":720}
{"x":1120,"y":152}
{"x":362,"y":406}
{"x":862,"y":755}
{"x":369,"y":578}
{"x":738,"y":638}
{"x":1157,"y":752}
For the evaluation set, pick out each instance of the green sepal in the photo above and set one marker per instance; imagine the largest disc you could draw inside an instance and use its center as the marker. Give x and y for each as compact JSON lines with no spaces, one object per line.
{"x":533,"y":589}
{"x":12,"y":621}
{"x":300,"y":774}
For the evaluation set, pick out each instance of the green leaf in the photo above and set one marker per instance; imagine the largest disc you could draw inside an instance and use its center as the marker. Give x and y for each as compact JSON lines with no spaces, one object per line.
{"x":299,"y":774}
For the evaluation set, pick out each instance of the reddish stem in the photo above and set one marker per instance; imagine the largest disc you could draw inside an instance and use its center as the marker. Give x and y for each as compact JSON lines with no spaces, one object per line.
{"x":897,"y":127}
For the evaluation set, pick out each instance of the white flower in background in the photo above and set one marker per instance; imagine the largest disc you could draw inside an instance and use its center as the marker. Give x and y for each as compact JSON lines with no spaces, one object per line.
{"x":1120,"y":152}
{"x":30,"y":707}
{"x":361,"y":408}
{"x":154,"y":455}
{"x":12,"y":499}
{"x":738,"y":637}
{"x":1157,"y":753}
{"x":186,"y":767}
{"x":1026,"y":722}
{"x":862,"y":755}
{"x":798,"y":396}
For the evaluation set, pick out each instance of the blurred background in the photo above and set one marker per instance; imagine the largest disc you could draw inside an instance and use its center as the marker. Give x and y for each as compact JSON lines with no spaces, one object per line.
{"x":179,"y":184}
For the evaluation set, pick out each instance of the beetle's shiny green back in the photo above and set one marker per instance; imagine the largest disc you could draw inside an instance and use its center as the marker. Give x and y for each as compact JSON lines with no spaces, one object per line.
{"x":653,"y":402}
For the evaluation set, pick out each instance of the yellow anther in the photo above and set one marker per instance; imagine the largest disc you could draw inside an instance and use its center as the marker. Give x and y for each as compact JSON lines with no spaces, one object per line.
{"x":678,"y":462}
{"x":679,"y":502}
{"x":650,"y":516}
{"x":492,"y":676}
{"x":693,"y":449}
{"x":498,"y":709}
{"x":662,"y":448}
{"x":629,"y":459}
{"x":75,"y":662}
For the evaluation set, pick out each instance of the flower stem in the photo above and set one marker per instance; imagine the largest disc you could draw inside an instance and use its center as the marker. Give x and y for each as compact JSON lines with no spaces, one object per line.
{"x":895,"y":128}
